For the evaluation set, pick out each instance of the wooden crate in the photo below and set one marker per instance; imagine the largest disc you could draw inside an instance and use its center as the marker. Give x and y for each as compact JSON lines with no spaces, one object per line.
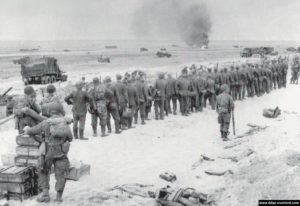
{"x":27,"y":151}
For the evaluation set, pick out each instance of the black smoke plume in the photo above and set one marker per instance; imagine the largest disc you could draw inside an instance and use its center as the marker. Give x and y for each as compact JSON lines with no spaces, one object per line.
{"x":188,"y":20}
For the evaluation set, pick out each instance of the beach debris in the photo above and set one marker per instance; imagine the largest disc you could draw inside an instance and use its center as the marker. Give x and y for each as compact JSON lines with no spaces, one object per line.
{"x":253,"y":130}
{"x":168,"y":176}
{"x":182,"y":197}
{"x":214,"y":173}
{"x":271,"y":113}
{"x":145,"y":191}
{"x":235,"y":144}
{"x":240,"y":156}
{"x":201,"y":160}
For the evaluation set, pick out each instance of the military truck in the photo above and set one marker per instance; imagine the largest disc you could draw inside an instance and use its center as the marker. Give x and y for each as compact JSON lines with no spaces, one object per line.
{"x":40,"y":70}
{"x":161,"y":54}
{"x":247,"y":52}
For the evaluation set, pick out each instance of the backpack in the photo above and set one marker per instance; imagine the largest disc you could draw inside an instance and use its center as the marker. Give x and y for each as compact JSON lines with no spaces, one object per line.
{"x":59,"y":127}
{"x":99,"y":93}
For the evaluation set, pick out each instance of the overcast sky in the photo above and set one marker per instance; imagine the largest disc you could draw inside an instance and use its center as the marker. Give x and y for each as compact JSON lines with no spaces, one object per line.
{"x":112,"y":19}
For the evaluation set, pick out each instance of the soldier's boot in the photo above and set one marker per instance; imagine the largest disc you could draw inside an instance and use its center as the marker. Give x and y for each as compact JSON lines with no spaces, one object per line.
{"x":75,"y":133}
{"x":225,"y":138}
{"x":124,"y":127}
{"x":143,"y":121}
{"x":44,"y":196}
{"x":81,"y":137}
{"x":103,"y":131}
{"x":59,"y":197}
{"x":130,"y":124}
{"x":94,"y":131}
{"x":117,"y":128}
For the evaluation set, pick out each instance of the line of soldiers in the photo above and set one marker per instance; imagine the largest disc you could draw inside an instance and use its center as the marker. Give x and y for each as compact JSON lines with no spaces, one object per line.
{"x":132,"y":96}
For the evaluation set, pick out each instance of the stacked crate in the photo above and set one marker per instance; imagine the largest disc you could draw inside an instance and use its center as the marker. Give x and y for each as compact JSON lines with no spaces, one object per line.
{"x":18,"y":183}
{"x":27,"y":151}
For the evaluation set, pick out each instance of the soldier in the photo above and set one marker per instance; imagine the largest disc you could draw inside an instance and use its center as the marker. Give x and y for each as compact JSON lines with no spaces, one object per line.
{"x":250,"y":80}
{"x":143,"y":97}
{"x":233,"y":82}
{"x":26,"y":110}
{"x":172,"y":91}
{"x":55,"y":154}
{"x":256,"y":74}
{"x":51,"y":95}
{"x":201,"y":85}
{"x":123,"y":96}
{"x":210,"y":92}
{"x":160,"y":97}
{"x":183,"y":90}
{"x":194,"y":91}
{"x":224,"y":107}
{"x":98,"y":108}
{"x":217,"y":79}
{"x":79,"y":100}
{"x":133,"y":101}
{"x":150,"y":94}
{"x":295,"y":70}
{"x":113,"y":102}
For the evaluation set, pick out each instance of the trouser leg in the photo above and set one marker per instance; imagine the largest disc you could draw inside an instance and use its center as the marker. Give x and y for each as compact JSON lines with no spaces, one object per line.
{"x":75,"y":125}
{"x":61,"y":167}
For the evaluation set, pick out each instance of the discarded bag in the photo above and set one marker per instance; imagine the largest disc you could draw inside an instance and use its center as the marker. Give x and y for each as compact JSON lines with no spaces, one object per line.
{"x":271,"y":113}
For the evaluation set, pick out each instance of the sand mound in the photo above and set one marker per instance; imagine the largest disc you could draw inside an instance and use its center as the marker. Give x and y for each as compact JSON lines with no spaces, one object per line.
{"x":274,"y":178}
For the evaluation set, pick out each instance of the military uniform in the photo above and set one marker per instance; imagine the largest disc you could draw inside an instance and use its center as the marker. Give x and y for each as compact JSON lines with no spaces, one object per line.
{"x":172,"y":91}
{"x":183,"y":91}
{"x":160,"y":97}
{"x":210,"y":92}
{"x":26,"y":110}
{"x":225,"y":105}
{"x":143,"y":97}
{"x":79,"y":100}
{"x":113,"y":102}
{"x":201,"y":85}
{"x":133,"y":102}
{"x":55,"y":154}
{"x":123,"y":97}
{"x":98,"y":108}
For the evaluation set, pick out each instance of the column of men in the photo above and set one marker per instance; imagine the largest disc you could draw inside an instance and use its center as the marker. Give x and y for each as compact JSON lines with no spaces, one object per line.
{"x":130,"y":98}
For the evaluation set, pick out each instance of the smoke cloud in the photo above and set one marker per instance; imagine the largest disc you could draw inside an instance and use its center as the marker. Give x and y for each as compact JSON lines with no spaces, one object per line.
{"x":188,"y":20}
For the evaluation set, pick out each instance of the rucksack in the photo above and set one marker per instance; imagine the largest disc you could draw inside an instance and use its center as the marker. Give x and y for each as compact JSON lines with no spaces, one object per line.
{"x":100,"y":92}
{"x":59,"y":127}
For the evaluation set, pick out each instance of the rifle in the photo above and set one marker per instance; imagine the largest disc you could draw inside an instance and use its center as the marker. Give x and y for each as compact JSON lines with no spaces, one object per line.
{"x":6,"y":92}
{"x":233,"y":123}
